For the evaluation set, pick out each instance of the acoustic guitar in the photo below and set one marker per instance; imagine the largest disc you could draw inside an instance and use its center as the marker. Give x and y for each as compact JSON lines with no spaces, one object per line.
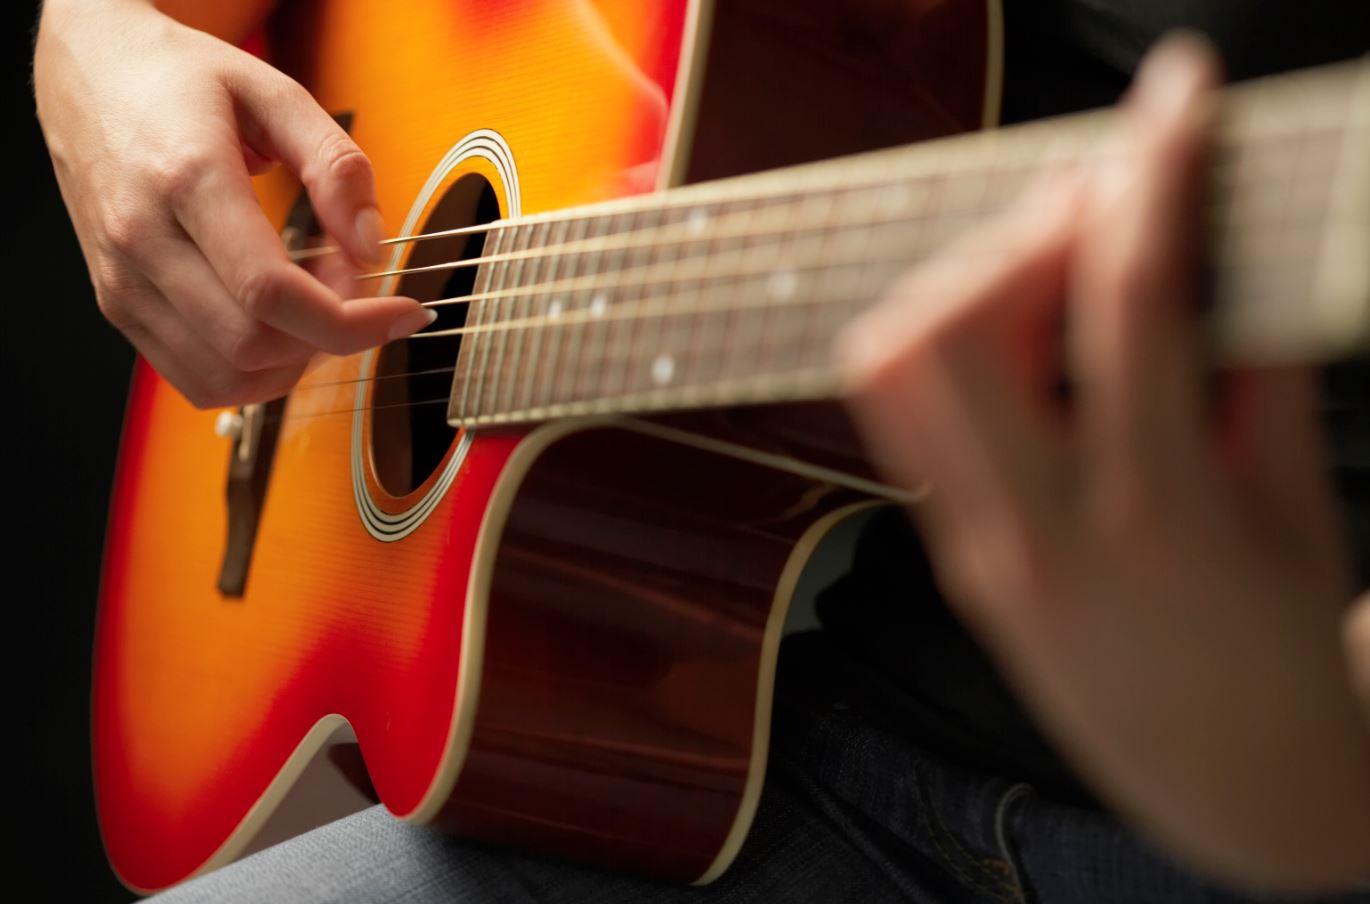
{"x":522,"y":577}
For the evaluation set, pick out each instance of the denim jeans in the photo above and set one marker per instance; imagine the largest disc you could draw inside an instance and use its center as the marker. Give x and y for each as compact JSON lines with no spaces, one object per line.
{"x":853,"y":810}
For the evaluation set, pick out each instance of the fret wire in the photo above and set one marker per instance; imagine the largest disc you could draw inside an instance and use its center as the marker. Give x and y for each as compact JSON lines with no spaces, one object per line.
{"x":513,"y":275}
{"x":624,"y":329}
{"x":545,"y":384}
{"x":828,"y":303}
{"x":781,"y":212}
{"x":537,"y":374}
{"x":470,"y":342}
{"x":636,"y":310}
{"x":524,"y":304}
{"x":1303,"y":101}
{"x":576,"y":331}
{"x":689,"y":354}
{"x":780,"y":283}
{"x":1289,"y":222}
{"x":554,"y":383}
{"x":642,"y":346}
{"x":863,"y":285}
{"x":626,"y":277}
{"x":591,"y":370}
{"x":806,"y":353}
{"x":493,"y":321}
{"x":750,"y":321}
{"x":837,"y":301}
{"x":479,"y":284}
{"x":559,"y":355}
{"x":662,"y":351}
{"x":695,"y":358}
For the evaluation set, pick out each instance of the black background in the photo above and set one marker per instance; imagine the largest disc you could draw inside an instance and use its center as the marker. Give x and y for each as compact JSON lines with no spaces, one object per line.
{"x":67,"y":375}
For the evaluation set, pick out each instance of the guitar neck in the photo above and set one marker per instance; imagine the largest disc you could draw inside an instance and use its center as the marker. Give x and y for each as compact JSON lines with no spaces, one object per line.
{"x":730,"y":292}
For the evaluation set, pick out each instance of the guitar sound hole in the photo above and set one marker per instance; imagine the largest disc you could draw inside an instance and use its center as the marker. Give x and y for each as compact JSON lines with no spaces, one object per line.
{"x":409,"y":431}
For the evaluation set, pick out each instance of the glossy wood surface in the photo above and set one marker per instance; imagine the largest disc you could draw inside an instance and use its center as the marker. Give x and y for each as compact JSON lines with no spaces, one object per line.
{"x":625,"y":609}
{"x":200,"y":700}
{"x":632,"y":591}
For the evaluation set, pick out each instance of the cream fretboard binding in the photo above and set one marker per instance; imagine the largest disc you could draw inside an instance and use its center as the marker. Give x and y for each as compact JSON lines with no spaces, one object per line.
{"x":730,"y":292}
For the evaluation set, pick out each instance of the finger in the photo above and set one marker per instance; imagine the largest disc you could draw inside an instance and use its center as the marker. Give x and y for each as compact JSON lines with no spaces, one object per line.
{"x":221,"y":215}
{"x":281,"y":120}
{"x":1274,"y":449}
{"x":985,"y":310}
{"x":1356,"y":637}
{"x":176,"y":351}
{"x":949,"y":383}
{"x":182,"y":275}
{"x":337,"y":272}
{"x":1132,"y":340}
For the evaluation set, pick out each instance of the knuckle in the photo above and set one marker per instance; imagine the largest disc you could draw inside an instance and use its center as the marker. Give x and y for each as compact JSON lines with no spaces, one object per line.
{"x":115,"y":311}
{"x":339,"y":159}
{"x":287,"y":92}
{"x":126,"y":228}
{"x":178,"y":175}
{"x":247,"y":351}
{"x":113,"y":296}
{"x":262,"y":293}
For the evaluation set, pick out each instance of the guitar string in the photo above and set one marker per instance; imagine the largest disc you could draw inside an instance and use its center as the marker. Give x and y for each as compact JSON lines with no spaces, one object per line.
{"x":707,"y":227}
{"x":1035,"y":143}
{"x":610,"y":357}
{"x":687,"y":232}
{"x":644,"y":238}
{"x":652,"y":306}
{"x":640,"y":276}
{"x":776,"y":335}
{"x":638,"y":309}
{"x":606,"y":214}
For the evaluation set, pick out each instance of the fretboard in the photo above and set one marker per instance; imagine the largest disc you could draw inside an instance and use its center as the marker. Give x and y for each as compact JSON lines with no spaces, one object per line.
{"x":731,"y":292}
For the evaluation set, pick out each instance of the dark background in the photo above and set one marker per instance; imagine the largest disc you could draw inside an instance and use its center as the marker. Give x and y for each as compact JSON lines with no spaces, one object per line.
{"x":68,"y":373}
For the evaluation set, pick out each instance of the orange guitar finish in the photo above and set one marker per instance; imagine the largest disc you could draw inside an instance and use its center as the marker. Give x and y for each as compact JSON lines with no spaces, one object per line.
{"x":566,"y":642}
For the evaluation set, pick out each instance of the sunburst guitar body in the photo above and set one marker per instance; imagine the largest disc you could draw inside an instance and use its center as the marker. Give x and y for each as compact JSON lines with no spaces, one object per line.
{"x":560,"y":635}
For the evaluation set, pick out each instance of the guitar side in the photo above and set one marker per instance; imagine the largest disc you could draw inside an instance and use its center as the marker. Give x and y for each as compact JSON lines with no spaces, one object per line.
{"x":550,"y":650}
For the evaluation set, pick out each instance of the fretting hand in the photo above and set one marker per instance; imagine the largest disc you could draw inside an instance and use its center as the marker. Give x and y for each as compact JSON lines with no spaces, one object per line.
{"x":154,"y":130}
{"x":1155,"y":563}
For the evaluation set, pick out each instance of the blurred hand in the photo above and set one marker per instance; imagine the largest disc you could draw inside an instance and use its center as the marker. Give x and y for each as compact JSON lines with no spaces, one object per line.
{"x":1157,"y":566}
{"x":154,"y":131}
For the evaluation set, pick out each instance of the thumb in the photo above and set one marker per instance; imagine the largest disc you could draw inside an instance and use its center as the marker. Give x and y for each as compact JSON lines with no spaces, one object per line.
{"x":1356,"y":633}
{"x":282,"y":121}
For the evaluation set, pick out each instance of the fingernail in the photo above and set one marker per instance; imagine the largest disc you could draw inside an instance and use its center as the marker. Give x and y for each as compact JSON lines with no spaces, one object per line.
{"x":370,"y":231}
{"x":1174,"y":76}
{"x":412,"y":322}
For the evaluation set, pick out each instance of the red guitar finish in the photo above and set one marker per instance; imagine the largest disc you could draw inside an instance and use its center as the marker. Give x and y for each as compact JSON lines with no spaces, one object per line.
{"x":559,"y":638}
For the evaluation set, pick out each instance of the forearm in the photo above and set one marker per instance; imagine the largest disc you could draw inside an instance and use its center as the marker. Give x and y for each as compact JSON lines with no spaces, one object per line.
{"x":1250,"y":756}
{"x":233,"y":22}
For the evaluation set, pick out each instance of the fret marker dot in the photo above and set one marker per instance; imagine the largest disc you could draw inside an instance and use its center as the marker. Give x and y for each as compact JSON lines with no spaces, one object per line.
{"x":598,"y":305}
{"x":696,"y":221}
{"x":663,"y":368}
{"x":782,"y":284}
{"x":554,"y":308}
